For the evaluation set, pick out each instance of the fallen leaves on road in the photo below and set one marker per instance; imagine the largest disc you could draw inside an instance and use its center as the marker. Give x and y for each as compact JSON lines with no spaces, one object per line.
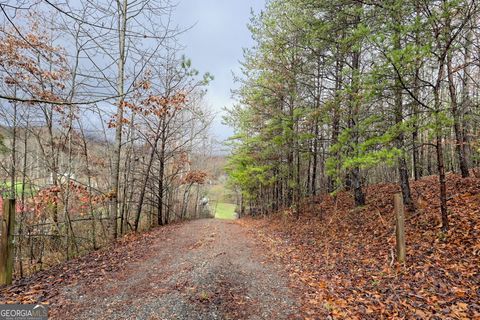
{"x":44,"y":286}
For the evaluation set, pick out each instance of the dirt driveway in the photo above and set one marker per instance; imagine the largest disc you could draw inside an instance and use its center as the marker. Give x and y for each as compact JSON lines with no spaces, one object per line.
{"x":205,"y":269}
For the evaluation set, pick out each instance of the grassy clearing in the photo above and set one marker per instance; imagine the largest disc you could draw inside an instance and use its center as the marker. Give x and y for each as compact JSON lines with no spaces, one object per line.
{"x":29,"y":190}
{"x":220,"y":198}
{"x":219,"y":192}
{"x":225,"y":211}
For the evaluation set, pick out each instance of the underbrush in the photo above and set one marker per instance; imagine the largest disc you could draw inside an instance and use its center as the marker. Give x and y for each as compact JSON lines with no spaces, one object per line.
{"x":342,"y":258}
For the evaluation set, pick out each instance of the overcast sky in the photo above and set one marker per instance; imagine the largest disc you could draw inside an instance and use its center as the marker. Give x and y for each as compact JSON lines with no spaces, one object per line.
{"x":215,"y":45}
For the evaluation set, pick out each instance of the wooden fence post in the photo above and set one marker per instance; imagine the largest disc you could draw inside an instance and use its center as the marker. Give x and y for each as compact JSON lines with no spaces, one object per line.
{"x":6,"y":243}
{"x":400,"y":227}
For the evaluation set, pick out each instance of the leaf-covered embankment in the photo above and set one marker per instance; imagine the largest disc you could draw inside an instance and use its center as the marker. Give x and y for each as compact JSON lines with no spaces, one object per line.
{"x":344,"y":255}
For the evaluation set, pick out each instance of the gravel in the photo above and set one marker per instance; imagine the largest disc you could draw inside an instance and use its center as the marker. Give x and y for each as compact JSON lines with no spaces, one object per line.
{"x":205,"y":269}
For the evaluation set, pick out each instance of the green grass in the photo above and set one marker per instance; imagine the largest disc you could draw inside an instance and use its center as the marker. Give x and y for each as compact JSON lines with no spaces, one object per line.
{"x":218,"y":192}
{"x":225,"y":211}
{"x":28,"y":190}
{"x":220,"y":202}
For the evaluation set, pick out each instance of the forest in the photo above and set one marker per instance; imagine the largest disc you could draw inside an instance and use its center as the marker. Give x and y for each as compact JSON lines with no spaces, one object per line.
{"x":342,"y":104}
{"x":339,"y":95}
{"x":103,"y":125}
{"x":353,"y":167}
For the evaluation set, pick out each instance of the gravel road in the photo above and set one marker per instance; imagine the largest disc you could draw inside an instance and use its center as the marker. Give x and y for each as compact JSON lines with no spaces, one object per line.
{"x":204,"y":269}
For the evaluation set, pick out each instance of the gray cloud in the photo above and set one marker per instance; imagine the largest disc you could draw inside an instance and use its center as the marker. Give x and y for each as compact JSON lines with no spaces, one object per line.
{"x":215,"y":45}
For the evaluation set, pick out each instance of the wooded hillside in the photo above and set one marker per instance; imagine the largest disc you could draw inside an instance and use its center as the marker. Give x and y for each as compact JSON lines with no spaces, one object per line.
{"x":342,"y":258}
{"x":342,"y":105}
{"x":339,"y":95}
{"x":103,"y":125}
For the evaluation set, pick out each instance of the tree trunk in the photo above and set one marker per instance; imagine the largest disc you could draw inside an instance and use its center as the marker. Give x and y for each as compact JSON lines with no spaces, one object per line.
{"x":443,"y":185}
{"x":161,"y":174}
{"x":457,"y":121}
{"x":315,"y":161}
{"x":336,"y":111}
{"x":439,"y":147}
{"x":417,"y":156}
{"x":122,"y":26}
{"x":355,"y":174}
{"x":466,"y":96}
{"x":402,"y":163}
{"x":144,"y":185}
